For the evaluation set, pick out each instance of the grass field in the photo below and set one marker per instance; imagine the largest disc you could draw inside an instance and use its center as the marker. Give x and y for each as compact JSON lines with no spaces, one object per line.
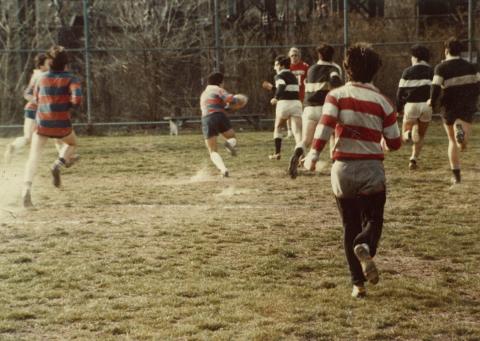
{"x":146,"y":242}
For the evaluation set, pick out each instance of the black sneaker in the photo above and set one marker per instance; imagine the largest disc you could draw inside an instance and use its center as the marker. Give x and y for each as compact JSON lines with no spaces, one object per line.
{"x":56,"y":174}
{"x":294,"y":161}
{"x":225,"y":174}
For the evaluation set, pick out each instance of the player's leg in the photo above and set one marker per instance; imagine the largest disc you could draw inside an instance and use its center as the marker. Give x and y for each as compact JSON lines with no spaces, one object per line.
{"x":29,"y":126}
{"x":210,"y":129}
{"x":463,"y":131}
{"x":453,"y":153}
{"x":289,"y":128}
{"x":217,"y":160}
{"x":277,"y":136}
{"x":65,"y":156}
{"x":36,"y":147}
{"x":229,"y":135}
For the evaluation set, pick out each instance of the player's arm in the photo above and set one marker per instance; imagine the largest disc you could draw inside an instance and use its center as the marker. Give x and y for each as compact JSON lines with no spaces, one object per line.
{"x":436,"y":87}
{"x":391,"y":132}
{"x":323,"y":131}
{"x":400,"y":97}
{"x":75,"y":92}
{"x":28,"y":92}
{"x":335,"y":78}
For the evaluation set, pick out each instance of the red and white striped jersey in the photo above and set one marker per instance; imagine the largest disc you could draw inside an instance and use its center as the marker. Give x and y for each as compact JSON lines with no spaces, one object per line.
{"x":361,"y":116}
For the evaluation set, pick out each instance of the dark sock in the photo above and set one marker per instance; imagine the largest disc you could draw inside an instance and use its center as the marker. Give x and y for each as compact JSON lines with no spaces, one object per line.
{"x":456,"y":174}
{"x":278,"y":145}
{"x":61,"y":159}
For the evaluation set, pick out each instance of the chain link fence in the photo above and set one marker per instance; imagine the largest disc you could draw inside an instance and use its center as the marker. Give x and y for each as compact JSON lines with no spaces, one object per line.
{"x":143,"y":60}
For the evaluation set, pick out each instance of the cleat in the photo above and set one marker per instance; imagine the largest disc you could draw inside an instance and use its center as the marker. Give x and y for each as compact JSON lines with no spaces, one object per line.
{"x":359,"y":291}
{"x":225,"y":174}
{"x":74,"y":159}
{"x":276,"y":156}
{"x":412,"y":165}
{"x":230,"y":148}
{"x":294,"y":162}
{"x":27,"y":199}
{"x":7,"y":157}
{"x":368,"y":265}
{"x":56,"y":174}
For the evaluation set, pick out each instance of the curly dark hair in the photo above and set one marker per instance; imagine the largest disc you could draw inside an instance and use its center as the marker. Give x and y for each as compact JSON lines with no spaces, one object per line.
{"x":215,"y":78}
{"x":326,"y":51}
{"x":283,"y":61}
{"x":59,"y":58}
{"x":362,"y":63}
{"x":420,"y":52}
{"x":454,"y":46}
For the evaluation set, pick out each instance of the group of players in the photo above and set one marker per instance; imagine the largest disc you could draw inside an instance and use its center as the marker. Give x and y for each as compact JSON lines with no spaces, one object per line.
{"x":51,"y":94}
{"x":360,"y":124}
{"x":354,"y":116}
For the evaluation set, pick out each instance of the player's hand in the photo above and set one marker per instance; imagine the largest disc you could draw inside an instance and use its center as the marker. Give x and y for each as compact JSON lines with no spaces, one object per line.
{"x":273,"y":101}
{"x":310,"y":161}
{"x":267,"y":85}
{"x":383,"y":144}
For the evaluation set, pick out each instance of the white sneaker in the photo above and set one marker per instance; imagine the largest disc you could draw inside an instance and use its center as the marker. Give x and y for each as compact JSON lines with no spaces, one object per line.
{"x":359,"y":291}
{"x":369,"y":268}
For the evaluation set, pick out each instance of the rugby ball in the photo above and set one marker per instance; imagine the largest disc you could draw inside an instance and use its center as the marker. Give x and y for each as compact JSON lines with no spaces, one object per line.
{"x":241,"y":100}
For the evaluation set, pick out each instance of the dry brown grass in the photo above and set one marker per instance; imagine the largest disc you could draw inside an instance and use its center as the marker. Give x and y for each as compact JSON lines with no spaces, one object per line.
{"x":146,"y":241}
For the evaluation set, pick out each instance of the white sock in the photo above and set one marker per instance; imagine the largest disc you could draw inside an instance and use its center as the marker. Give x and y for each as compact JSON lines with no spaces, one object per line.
{"x":19,"y":143}
{"x":232,"y":141}
{"x":218,"y":161}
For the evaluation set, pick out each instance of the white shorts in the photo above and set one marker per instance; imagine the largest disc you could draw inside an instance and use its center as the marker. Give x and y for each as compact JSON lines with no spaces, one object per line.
{"x":417,"y":111}
{"x":312,"y":113}
{"x":287,"y":108}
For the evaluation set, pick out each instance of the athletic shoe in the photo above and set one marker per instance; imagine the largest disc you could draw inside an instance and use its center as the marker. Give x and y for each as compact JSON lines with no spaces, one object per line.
{"x":412,"y":164}
{"x":276,"y":156}
{"x":294,"y":161}
{"x":27,"y":199}
{"x":56,"y":173}
{"x":359,"y":291}
{"x":225,"y":174}
{"x":230,"y":148}
{"x":368,"y":265}
{"x":7,"y":157}
{"x":74,"y":159}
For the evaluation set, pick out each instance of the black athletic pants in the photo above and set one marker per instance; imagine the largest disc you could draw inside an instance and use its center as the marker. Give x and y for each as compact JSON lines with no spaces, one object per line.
{"x":362,"y":219}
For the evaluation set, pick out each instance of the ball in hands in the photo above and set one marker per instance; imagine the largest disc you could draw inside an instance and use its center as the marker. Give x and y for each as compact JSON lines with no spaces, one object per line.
{"x":239,"y":102}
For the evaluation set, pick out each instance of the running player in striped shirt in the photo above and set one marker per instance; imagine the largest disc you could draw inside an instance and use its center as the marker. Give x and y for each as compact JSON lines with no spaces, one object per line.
{"x":412,"y":96}
{"x":288,"y":104}
{"x":461,"y":86}
{"x":56,"y":93}
{"x":365,"y":123}
{"x":30,"y":109}
{"x":214,"y":102}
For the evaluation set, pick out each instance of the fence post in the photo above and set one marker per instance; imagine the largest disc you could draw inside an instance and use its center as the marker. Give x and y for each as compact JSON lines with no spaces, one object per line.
{"x":86,"y":34}
{"x":217,"y":37}
{"x":471,"y":7}
{"x":345,"y":26}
